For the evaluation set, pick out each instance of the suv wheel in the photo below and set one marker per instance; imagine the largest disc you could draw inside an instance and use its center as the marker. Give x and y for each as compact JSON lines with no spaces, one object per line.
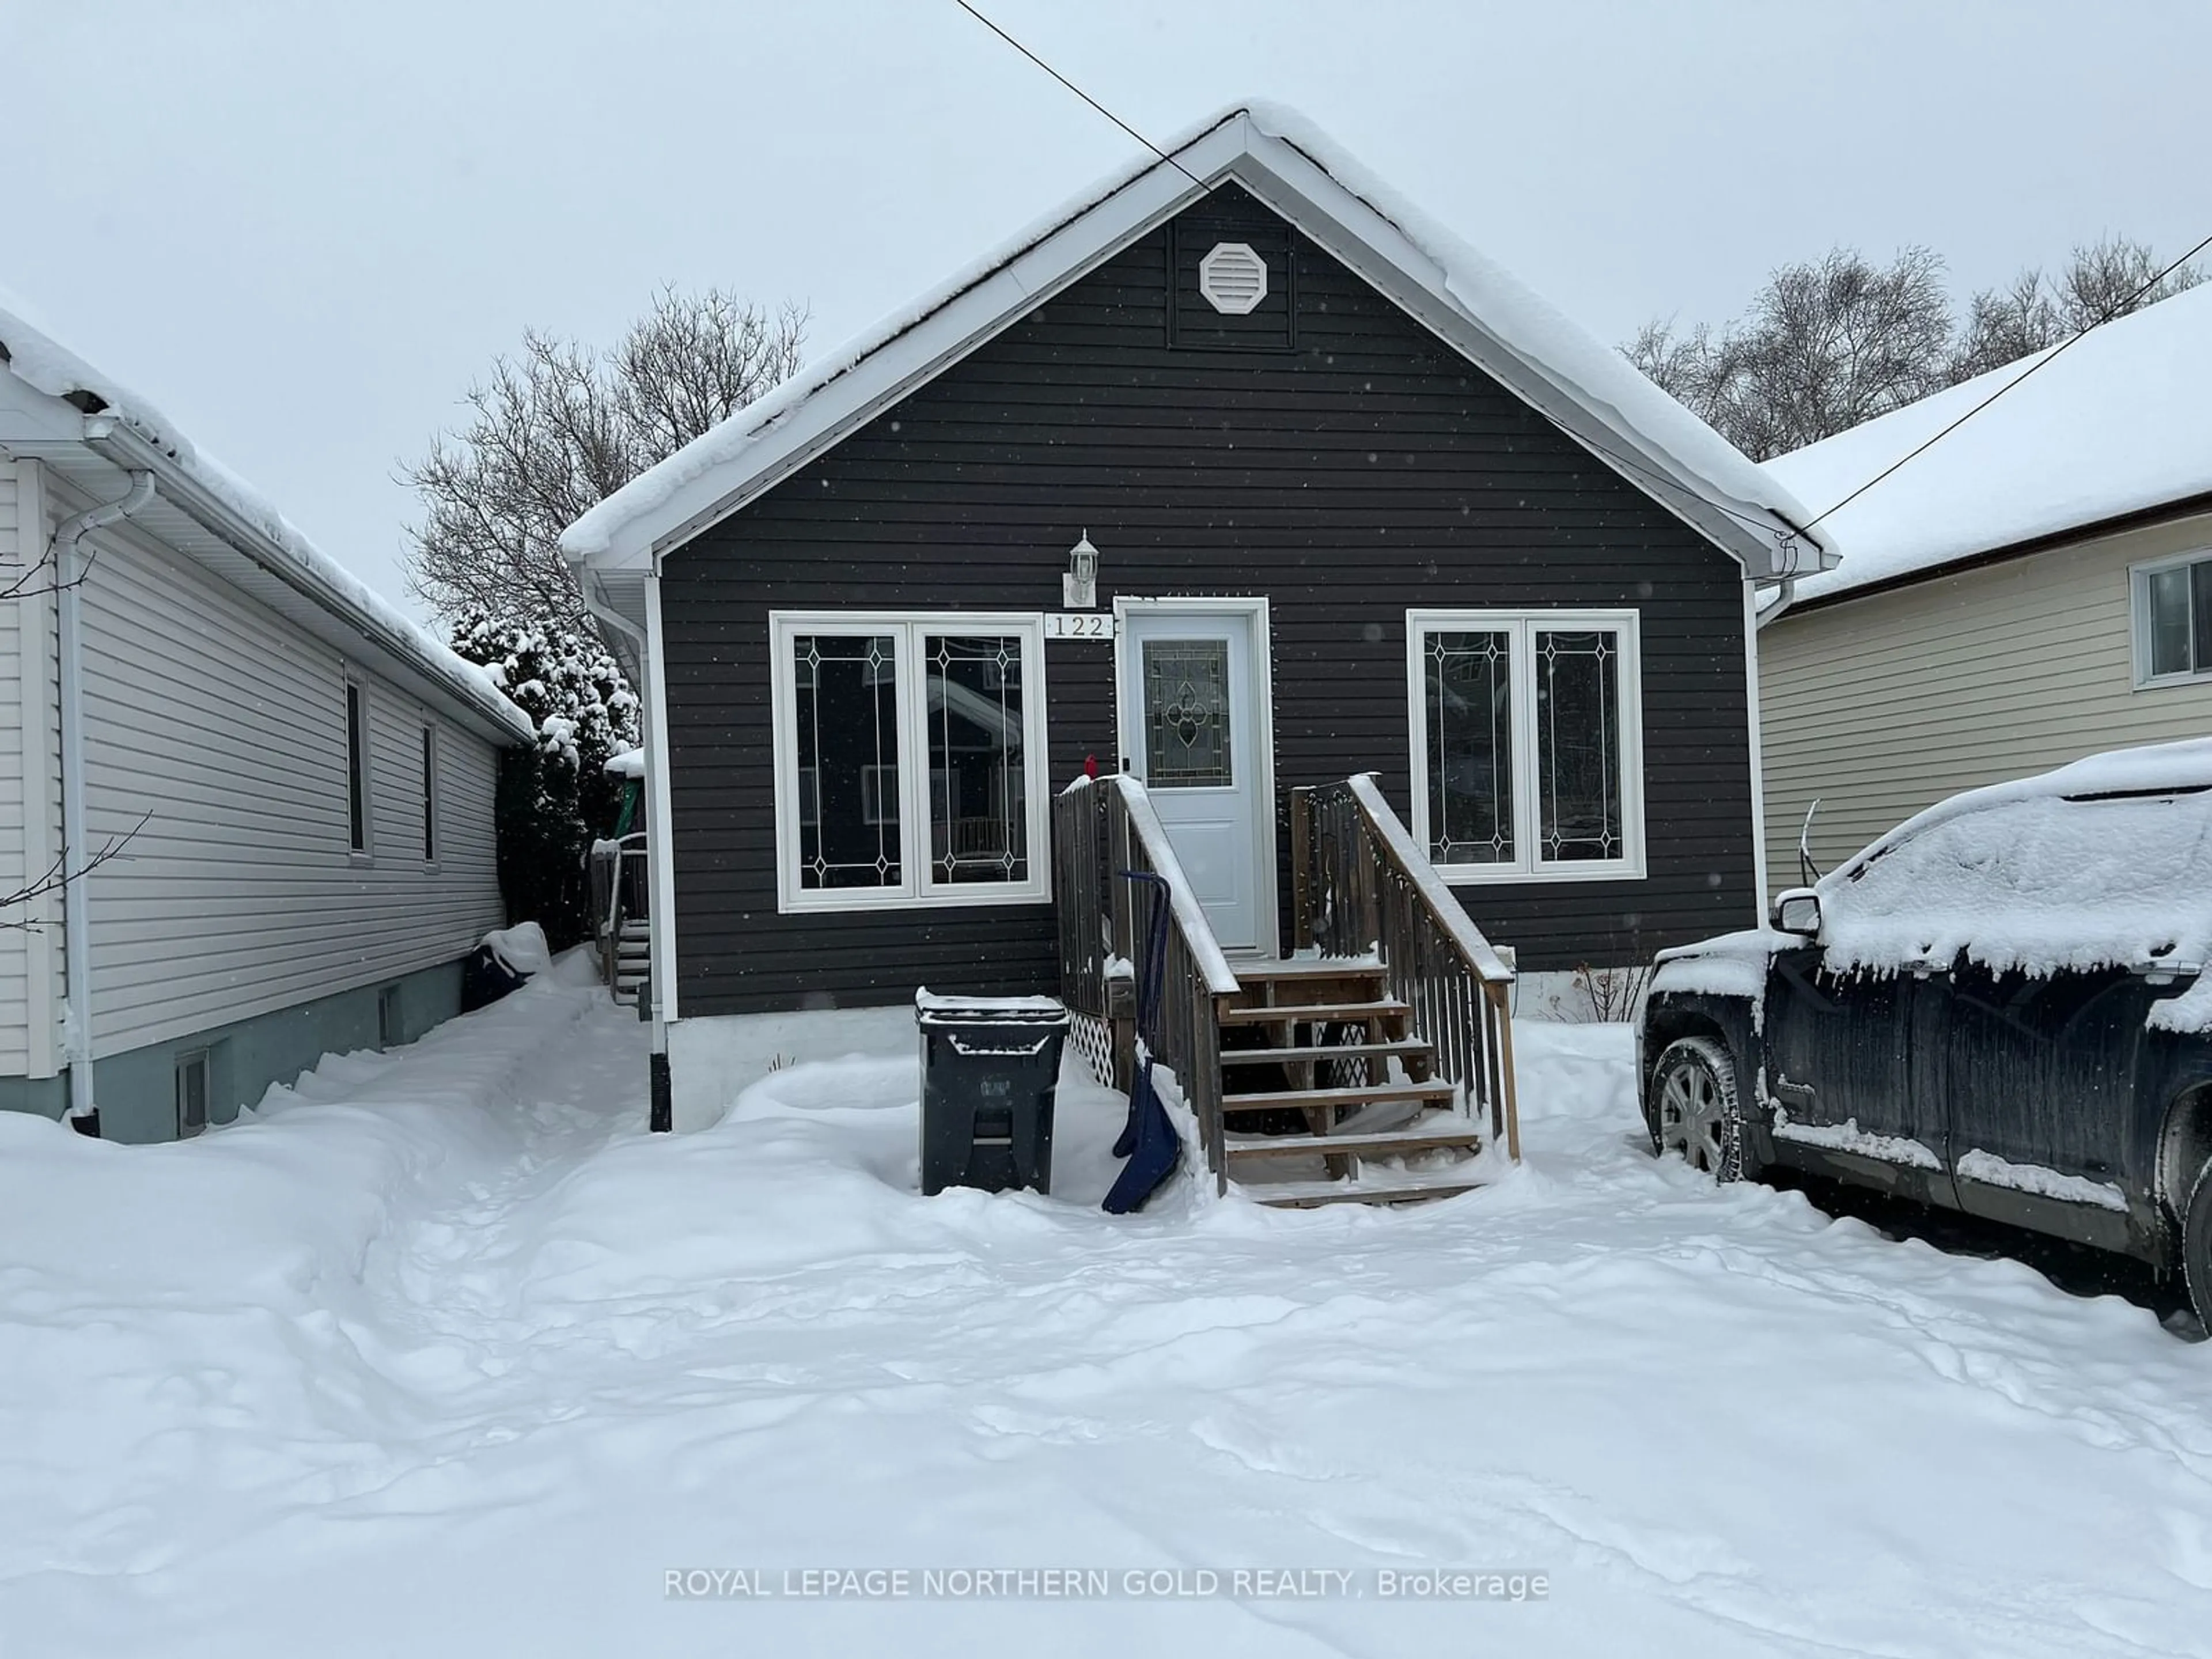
{"x":2197,"y":1246}
{"x":1694,"y":1100}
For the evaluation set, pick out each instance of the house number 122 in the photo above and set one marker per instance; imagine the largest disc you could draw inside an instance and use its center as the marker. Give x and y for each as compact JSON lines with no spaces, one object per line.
{"x":1079,"y":625}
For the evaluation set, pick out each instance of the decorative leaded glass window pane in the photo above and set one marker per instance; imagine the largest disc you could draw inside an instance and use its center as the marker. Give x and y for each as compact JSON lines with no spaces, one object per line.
{"x":1468,"y":680}
{"x":846,"y":698}
{"x":978,"y":806}
{"x":1579,"y":803}
{"x":1187,"y":715}
{"x":2169,"y":620}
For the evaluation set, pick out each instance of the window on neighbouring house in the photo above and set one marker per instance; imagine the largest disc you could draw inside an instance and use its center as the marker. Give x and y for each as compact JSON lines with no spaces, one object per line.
{"x":2174,"y":619}
{"x":191,"y":1092}
{"x":1525,"y":746}
{"x":357,"y":768}
{"x":909,"y":756}
{"x":429,"y":794}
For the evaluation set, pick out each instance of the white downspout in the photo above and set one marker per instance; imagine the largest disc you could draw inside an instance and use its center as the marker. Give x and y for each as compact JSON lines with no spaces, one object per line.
{"x":70,"y":572}
{"x":658,"y":1003}
{"x":1784,"y":597}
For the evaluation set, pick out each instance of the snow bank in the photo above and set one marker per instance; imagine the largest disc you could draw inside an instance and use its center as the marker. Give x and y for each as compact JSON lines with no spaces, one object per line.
{"x":1657,"y":433}
{"x":196,"y":1328}
{"x":2104,"y":862}
{"x":442,"y":1353}
{"x":46,"y":365}
{"x":2117,"y":422}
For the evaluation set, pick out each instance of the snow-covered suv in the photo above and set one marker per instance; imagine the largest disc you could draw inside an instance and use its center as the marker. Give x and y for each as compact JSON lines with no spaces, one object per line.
{"x":1998,"y":1006}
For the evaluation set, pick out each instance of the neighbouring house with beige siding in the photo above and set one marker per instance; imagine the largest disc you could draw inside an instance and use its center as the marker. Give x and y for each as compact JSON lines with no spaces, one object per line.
{"x":295,"y":782}
{"x":2035,"y":586}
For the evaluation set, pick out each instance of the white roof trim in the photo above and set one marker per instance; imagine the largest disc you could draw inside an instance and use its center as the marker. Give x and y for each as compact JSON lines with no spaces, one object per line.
{"x":126,"y":431}
{"x":1588,"y":389}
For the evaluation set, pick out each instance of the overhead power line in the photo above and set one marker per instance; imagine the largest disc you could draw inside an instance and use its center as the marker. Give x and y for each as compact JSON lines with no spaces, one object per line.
{"x":1079,"y":93}
{"x":1765,"y":526}
{"x":1788,"y":533}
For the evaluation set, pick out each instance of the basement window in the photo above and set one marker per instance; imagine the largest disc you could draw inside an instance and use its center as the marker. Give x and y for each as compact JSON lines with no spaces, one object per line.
{"x":391,"y":1021}
{"x":910,"y":759}
{"x":1527,"y":743}
{"x":191,"y":1092}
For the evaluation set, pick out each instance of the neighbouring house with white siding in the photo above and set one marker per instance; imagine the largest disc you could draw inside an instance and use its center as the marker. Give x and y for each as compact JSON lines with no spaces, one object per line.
{"x":2035,"y":587}
{"x":292,"y":783}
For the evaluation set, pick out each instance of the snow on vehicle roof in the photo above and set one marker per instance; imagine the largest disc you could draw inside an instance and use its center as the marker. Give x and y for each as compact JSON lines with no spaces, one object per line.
{"x":1660,"y":435}
{"x":2118,"y":423}
{"x":2106,"y":862}
{"x":43,"y":363}
{"x":627,"y":763}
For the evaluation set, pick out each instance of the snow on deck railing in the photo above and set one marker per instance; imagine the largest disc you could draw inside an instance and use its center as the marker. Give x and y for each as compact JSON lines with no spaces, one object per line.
{"x":1398,"y":841}
{"x":1206,"y":951}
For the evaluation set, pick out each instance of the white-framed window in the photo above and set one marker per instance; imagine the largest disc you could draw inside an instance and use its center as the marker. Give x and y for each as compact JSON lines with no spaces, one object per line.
{"x":2172,"y":606}
{"x":1527,"y":743}
{"x":910,"y":759}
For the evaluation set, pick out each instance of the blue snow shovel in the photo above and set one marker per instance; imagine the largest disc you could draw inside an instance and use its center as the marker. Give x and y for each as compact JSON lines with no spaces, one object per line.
{"x":1148,"y":1139}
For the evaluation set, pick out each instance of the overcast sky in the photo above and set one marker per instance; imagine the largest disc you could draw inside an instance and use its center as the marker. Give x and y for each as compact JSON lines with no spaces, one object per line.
{"x":303,"y":228}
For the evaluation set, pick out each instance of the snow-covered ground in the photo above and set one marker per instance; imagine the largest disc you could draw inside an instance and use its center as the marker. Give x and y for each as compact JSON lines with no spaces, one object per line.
{"x":441,"y":1354}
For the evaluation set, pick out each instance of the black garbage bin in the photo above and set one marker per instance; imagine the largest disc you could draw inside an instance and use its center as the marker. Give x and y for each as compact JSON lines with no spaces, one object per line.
{"x":990,"y":1067}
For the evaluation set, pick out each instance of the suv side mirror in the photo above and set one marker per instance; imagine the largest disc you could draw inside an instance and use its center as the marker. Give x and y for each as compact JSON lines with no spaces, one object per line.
{"x":1798,"y":911}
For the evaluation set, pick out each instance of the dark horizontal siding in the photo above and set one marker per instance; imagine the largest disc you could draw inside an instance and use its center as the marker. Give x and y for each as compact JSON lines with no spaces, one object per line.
{"x":1363,"y":473}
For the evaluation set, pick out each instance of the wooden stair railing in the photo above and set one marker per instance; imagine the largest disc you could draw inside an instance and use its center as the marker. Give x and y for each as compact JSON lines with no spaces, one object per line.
{"x":1362,"y":890}
{"x":1387,"y":1040}
{"x":620,"y":923}
{"x":1101,"y":827}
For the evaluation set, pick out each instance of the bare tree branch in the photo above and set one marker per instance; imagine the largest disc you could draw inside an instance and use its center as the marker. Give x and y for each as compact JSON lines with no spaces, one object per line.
{"x":1829,"y":344}
{"x":57,"y":876}
{"x":560,"y":427}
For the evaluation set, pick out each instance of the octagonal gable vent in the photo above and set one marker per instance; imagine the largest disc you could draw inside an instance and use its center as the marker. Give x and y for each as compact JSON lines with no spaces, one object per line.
{"x":1233,"y":278}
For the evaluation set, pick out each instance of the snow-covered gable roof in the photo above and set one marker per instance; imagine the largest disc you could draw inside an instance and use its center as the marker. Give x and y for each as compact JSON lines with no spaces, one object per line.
{"x":1585,"y":386}
{"x":2119,"y":424}
{"x":48,"y":367}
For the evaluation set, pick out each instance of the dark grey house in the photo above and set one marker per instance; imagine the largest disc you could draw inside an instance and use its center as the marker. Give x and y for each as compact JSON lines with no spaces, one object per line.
{"x":1236,"y":476}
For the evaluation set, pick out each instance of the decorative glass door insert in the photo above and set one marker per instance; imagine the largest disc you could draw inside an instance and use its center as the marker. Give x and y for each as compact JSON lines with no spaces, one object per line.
{"x":1187,"y":735}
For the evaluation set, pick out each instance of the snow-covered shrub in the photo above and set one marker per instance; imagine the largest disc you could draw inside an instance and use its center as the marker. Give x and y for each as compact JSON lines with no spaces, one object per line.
{"x":553,"y":800}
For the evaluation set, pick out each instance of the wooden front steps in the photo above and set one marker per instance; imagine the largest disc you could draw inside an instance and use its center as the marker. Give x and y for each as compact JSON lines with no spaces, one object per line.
{"x":1452,"y":1133}
{"x":1327,"y":1014}
{"x":1350,"y":1098}
{"x":1317,"y":1054}
{"x":1399,"y":1047}
{"x":1366,"y":1188}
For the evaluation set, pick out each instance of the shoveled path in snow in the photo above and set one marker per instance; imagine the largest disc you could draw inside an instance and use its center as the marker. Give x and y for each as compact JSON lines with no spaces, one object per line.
{"x":443,"y":1355}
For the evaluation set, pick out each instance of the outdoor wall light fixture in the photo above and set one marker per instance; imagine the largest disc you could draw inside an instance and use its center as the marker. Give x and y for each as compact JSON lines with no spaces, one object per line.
{"x":1079,"y":588}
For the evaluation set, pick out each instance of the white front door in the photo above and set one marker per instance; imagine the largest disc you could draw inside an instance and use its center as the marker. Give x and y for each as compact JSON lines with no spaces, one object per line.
{"x":1195,"y":730}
